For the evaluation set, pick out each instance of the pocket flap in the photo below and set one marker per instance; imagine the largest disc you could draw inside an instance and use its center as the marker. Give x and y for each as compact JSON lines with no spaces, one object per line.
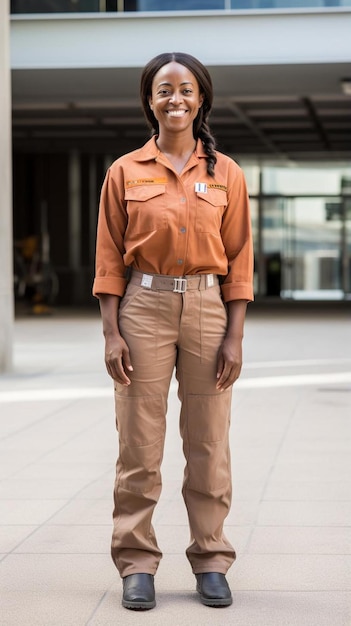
{"x":216,"y":197}
{"x":142,"y":193}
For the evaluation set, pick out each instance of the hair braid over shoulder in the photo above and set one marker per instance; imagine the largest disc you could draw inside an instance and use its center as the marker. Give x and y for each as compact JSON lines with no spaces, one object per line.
{"x":202,"y":130}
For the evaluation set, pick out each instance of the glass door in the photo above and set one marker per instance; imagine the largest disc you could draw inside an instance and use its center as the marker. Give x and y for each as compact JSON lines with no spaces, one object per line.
{"x":314,"y":228}
{"x":275,"y":241}
{"x":303,"y":239}
{"x":304,"y":232}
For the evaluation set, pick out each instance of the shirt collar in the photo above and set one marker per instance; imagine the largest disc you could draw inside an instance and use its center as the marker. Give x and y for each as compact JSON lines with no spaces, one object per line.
{"x":150,"y":151}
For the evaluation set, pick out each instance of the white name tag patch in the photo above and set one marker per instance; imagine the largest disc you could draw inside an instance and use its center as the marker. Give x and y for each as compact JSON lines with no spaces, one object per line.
{"x":200,"y":187}
{"x":146,"y":281}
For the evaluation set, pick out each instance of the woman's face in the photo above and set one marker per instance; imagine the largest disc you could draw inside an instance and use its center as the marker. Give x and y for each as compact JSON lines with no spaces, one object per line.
{"x":175,"y":97}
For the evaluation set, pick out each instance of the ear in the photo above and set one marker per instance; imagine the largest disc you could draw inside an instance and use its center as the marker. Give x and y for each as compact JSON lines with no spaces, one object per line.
{"x":201,"y":100}
{"x":150,"y":103}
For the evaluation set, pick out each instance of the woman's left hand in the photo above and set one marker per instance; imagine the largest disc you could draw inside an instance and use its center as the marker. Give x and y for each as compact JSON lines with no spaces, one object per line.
{"x":229,"y":362}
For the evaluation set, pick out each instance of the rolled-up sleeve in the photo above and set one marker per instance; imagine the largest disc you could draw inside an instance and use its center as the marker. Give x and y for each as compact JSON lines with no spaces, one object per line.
{"x":237,"y":239}
{"x":109,"y":265}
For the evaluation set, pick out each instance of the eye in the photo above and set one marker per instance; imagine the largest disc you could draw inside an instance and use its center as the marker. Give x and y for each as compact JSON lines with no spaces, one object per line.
{"x":163,"y":92}
{"x":188,"y":91}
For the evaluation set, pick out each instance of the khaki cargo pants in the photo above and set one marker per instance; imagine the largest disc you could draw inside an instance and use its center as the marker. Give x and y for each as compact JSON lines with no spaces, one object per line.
{"x":166,"y":330}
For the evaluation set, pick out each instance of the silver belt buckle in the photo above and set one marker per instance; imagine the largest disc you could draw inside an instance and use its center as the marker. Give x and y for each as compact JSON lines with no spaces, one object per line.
{"x":179,"y":285}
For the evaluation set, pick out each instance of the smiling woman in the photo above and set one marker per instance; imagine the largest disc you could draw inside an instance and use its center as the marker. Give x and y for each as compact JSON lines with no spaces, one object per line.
{"x":174,"y":219}
{"x":175,"y":84}
{"x":175,"y":95}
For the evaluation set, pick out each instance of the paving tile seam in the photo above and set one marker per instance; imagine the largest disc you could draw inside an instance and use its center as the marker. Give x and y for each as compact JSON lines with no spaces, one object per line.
{"x":45,"y":522}
{"x":291,"y":591}
{"x":305,"y":555}
{"x":293,"y":410}
{"x":65,"y":553}
{"x":295,"y":363}
{"x":37,"y":422}
{"x":49,"y":416}
{"x":304,"y":526}
{"x":66,"y":500}
{"x":296,"y":501}
{"x":295,"y":590}
{"x":92,"y":525}
{"x":95,"y":610}
{"x":63,"y":443}
{"x":253,"y":553}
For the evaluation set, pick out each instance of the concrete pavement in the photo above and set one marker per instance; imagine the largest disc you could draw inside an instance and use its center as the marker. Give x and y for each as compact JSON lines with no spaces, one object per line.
{"x":291,"y":514}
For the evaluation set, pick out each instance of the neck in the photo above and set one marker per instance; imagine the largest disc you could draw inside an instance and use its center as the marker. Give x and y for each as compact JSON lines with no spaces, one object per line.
{"x":177,"y":150}
{"x":176,"y":145}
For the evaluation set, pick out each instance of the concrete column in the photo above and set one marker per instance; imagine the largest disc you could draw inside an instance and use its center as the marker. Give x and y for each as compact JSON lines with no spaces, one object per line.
{"x":93,"y":209}
{"x":74,"y":210}
{"x":74,"y":203}
{"x":6,"y":237}
{"x":260,"y":251}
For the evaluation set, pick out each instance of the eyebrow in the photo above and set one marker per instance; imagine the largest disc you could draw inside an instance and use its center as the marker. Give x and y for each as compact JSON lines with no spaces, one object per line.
{"x":186,"y":82}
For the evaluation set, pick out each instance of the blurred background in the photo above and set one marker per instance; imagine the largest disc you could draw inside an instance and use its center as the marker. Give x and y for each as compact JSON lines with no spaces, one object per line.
{"x":282,"y":80}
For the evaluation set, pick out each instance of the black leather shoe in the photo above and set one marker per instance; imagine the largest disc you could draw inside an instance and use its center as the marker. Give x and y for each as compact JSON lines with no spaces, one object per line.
{"x":213,"y":589}
{"x":138,"y":592}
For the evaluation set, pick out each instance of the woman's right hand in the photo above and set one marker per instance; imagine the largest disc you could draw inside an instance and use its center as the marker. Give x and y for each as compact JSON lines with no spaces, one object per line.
{"x":117,"y":358}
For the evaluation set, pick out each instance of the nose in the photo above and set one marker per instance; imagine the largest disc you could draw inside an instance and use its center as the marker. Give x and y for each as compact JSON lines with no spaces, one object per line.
{"x":175,"y":97}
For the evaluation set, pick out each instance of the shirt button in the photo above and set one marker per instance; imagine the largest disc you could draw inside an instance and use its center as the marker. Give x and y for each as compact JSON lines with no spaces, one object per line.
{"x":182,"y":229}
{"x":183,"y":200}
{"x":180,"y":261}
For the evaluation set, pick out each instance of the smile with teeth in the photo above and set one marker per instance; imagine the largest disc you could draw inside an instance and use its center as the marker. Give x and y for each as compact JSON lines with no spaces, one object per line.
{"x":177,"y":112}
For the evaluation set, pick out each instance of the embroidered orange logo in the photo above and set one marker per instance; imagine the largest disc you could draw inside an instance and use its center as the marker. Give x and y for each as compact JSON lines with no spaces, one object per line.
{"x":146,"y":181}
{"x":217,"y":186}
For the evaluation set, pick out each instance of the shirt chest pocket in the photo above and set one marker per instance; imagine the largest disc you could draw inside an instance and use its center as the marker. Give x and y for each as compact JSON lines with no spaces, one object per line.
{"x":146,"y":208}
{"x":210,"y":207}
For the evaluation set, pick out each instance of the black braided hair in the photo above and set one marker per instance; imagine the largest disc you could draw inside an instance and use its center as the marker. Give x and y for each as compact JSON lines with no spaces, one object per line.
{"x":201,"y":127}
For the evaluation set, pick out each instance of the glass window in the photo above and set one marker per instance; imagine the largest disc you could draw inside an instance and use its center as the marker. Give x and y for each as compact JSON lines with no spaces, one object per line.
{"x":304,"y":180}
{"x":252,"y":175}
{"x":304,"y":231}
{"x":54,"y":6}
{"x":287,"y":4}
{"x":301,"y":247}
{"x":255,"y":235}
{"x":177,"y":5}
{"x":79,"y":6}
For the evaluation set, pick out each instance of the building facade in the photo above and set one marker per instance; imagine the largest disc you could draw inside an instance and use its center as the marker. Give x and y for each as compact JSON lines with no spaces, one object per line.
{"x":282,"y":77}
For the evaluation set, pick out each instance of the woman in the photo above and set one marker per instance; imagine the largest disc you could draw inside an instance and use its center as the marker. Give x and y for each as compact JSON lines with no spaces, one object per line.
{"x":173,"y":277}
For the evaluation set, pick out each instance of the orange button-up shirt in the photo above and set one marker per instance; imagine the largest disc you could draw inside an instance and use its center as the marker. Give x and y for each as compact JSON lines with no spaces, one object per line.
{"x":162,"y":222}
